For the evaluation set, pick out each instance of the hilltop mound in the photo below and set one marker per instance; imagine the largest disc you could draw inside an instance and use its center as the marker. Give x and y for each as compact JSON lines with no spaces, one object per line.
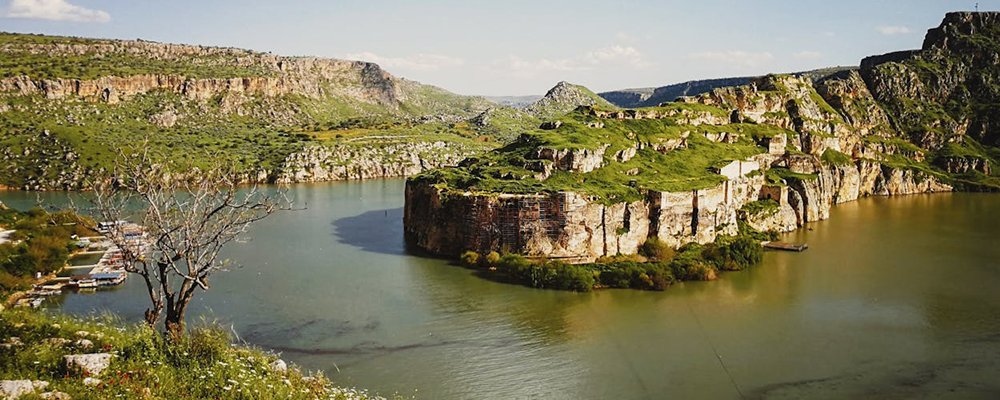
{"x":563,"y":98}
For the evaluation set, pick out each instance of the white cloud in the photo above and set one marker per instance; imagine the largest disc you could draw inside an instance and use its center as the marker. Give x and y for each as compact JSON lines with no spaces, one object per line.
{"x":617,"y":55}
{"x":893,"y":30}
{"x":416,"y":62}
{"x":626,"y":55}
{"x":54,"y":10}
{"x":738,"y":58}
{"x":808,"y":55}
{"x":518,"y":64}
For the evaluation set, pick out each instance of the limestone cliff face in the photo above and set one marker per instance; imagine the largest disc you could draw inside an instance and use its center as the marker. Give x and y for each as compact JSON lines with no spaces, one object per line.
{"x":273,"y":75}
{"x":832,"y":114}
{"x":570,"y":226}
{"x":339,"y":162}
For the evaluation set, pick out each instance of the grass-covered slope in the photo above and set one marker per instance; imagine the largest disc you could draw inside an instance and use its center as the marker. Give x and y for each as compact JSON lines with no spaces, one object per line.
{"x":563,"y":98}
{"x":144,"y":365}
{"x":670,"y":154}
{"x":67,"y":105}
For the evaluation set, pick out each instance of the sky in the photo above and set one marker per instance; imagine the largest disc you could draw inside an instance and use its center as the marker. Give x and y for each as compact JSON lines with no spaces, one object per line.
{"x":518,"y":47}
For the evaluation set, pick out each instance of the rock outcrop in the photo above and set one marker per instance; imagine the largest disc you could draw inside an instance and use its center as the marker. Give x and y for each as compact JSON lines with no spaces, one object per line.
{"x":14,"y":389}
{"x":904,"y":123}
{"x":343,"y":162}
{"x":563,"y":98}
{"x":572,"y":226}
{"x":88,"y":364}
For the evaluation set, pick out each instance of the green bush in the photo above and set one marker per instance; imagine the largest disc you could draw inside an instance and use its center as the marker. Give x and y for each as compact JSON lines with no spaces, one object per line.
{"x":690,"y":265}
{"x":546,"y":275}
{"x":656,"y":250}
{"x":492,"y":259}
{"x":643,"y":276}
{"x":734,"y":253}
{"x":469,"y":259}
{"x":45,"y":244}
{"x":202,"y":365}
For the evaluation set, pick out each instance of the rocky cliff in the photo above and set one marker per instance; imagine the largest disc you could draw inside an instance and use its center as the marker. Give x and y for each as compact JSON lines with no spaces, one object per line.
{"x":68,"y":104}
{"x":943,"y":97}
{"x":344,"y":162}
{"x":774,"y":154}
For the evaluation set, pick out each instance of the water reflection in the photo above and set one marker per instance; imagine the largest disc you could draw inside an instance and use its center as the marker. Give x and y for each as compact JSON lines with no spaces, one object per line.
{"x":376,"y":231}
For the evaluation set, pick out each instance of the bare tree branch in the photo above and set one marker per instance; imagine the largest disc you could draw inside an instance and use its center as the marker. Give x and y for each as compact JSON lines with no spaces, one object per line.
{"x":189,"y":216}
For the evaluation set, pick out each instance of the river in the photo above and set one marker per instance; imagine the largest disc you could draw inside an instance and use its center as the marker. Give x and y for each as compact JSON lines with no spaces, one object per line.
{"x":895,"y":298}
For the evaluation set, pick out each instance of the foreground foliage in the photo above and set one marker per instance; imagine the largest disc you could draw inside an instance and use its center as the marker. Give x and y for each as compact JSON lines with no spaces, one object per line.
{"x":203,"y":365}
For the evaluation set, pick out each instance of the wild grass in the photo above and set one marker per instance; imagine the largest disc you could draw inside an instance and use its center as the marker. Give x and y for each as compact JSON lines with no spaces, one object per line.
{"x":203,"y":365}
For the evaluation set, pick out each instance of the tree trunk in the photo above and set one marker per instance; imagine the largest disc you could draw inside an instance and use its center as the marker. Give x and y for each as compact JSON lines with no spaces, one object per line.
{"x":174,"y":324}
{"x":174,"y":320}
{"x":153,"y":314}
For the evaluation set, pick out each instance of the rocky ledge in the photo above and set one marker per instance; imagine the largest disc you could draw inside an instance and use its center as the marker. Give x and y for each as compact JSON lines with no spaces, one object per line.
{"x":575,"y":227}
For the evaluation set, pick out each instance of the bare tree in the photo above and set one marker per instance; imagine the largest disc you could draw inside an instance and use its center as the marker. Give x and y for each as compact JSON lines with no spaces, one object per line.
{"x":188,"y":217}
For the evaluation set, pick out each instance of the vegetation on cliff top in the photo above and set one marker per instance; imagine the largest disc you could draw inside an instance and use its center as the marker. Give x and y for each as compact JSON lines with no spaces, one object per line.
{"x":24,"y":56}
{"x":513,"y":168}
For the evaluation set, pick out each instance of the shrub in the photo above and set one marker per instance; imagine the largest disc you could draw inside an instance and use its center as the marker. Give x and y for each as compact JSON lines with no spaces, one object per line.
{"x":550,"y":274}
{"x":657,"y":250}
{"x":620,"y":258}
{"x":492,"y":259}
{"x":734,"y":253}
{"x":573,"y":277}
{"x":643,"y":276}
{"x":469,"y":259}
{"x":689,"y":264}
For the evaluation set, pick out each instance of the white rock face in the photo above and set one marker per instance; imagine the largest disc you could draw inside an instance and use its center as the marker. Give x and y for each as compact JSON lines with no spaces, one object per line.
{"x":279,"y":366}
{"x":575,"y":228}
{"x":92,"y":364}
{"x":13,"y":389}
{"x":338,"y":162}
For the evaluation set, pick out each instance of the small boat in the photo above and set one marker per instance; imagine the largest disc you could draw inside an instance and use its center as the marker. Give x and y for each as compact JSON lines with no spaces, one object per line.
{"x":86,"y":284}
{"x":33,"y":302}
{"x":109,"y":278}
{"x":43,"y":292}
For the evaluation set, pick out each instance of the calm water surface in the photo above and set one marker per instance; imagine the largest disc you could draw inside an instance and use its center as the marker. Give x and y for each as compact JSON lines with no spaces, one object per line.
{"x":896,"y":298}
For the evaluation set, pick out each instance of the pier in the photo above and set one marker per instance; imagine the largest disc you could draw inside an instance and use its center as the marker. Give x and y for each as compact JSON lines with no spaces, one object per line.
{"x":785,"y":246}
{"x":110,"y":269}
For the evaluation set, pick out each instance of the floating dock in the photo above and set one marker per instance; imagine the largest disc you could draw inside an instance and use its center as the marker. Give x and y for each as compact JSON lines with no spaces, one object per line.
{"x":785,"y":246}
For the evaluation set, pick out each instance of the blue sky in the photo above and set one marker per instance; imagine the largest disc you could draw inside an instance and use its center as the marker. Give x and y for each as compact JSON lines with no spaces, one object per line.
{"x":511,"y":47}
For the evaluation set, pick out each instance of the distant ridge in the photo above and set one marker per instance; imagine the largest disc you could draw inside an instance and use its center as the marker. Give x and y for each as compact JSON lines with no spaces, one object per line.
{"x":648,"y":97}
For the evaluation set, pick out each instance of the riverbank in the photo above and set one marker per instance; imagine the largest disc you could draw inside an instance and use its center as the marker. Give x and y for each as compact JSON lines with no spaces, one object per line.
{"x":61,"y":357}
{"x":657,"y":266}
